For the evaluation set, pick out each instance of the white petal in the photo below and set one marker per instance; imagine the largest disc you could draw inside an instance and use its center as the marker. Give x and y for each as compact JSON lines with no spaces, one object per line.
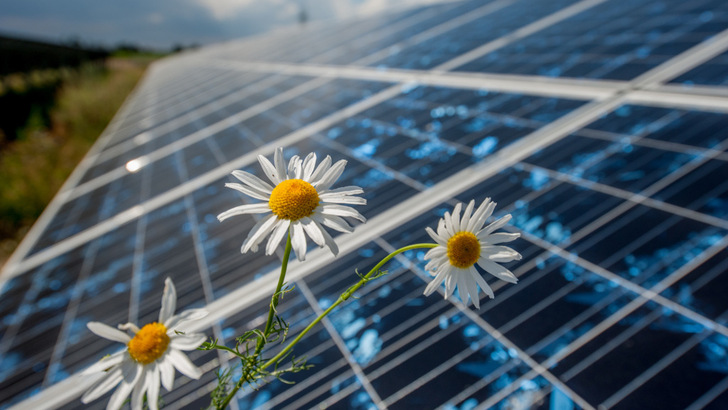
{"x":451,"y":281}
{"x":485,"y":210}
{"x":497,"y":270}
{"x":169,"y":301}
{"x":183,"y":364}
{"x":103,"y":385}
{"x":456,"y":219}
{"x":249,"y":191}
{"x":106,"y":362}
{"x":166,"y":370}
{"x":187,"y":342}
{"x":253,"y":181}
{"x":462,"y":288}
{"x":435,"y":283}
{"x":484,"y":285}
{"x":344,"y":190}
{"x":108,"y":332}
{"x":442,"y":231}
{"x":449,"y":225}
{"x":269,"y":170}
{"x":280,"y":164}
{"x":130,"y":372}
{"x":153,"y":386}
{"x":499,"y":253}
{"x":137,"y":394}
{"x":493,"y":226}
{"x":309,"y":164}
{"x":281,"y":229}
{"x":472,"y":287}
{"x":294,"y":167}
{"x":259,"y":208}
{"x":320,"y":170}
{"x":342,"y":199}
{"x":435,"y":237}
{"x":313,"y":231}
{"x":177,"y":321}
{"x":330,"y":176}
{"x":465,"y":221}
{"x":333,"y":222}
{"x":298,"y":240}
{"x":342,"y":210}
{"x":500,"y":237}
{"x":330,"y":243}
{"x":256,"y":235}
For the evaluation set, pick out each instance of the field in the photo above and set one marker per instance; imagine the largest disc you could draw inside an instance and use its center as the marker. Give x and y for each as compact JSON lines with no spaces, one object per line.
{"x":53,"y":116}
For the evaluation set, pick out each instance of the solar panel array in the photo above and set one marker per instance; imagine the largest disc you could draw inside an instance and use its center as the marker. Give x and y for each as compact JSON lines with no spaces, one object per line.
{"x":598,"y":124}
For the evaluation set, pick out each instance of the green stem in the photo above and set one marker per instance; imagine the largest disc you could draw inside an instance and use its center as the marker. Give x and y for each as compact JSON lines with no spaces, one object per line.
{"x":344,"y":296}
{"x":268,"y":323}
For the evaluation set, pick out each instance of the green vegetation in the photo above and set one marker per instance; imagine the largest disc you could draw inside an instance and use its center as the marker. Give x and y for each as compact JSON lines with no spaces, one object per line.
{"x":39,"y":154}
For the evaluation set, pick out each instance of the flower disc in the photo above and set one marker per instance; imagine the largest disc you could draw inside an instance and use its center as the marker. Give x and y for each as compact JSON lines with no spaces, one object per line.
{"x":149,"y":344}
{"x":463,"y":249}
{"x":293,"y":199}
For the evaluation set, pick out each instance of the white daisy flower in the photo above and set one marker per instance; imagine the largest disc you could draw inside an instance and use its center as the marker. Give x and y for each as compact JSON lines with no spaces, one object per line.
{"x":300,"y":200}
{"x":151,"y":355}
{"x":463,"y":242}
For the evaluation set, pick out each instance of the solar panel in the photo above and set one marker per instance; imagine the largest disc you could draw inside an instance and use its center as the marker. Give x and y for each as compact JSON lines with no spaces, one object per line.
{"x":597,"y":124}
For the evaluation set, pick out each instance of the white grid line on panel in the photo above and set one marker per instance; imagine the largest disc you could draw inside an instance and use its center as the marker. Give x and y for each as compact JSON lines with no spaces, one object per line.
{"x":710,"y":395}
{"x":629,"y":196}
{"x":339,"y":342}
{"x":522,"y":32}
{"x":665,"y":361}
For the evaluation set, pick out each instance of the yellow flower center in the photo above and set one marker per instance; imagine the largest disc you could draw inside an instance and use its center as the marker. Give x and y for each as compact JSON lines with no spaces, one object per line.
{"x":149,"y":344}
{"x":463,"y":249}
{"x":293,"y":199}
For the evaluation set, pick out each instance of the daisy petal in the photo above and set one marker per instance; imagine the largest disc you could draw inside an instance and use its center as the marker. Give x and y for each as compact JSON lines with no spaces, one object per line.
{"x":501,"y":237}
{"x":330,"y":176}
{"x":103,"y":385}
{"x":183,"y":364}
{"x":130,"y":372}
{"x":187,"y":342}
{"x":500,"y":253}
{"x":106,"y":362}
{"x":166,"y":371}
{"x":153,"y":386}
{"x":244,"y":209}
{"x":342,"y":199}
{"x":280,"y":164}
{"x":260,"y":230}
{"x":462,"y":289}
{"x":330,"y":243}
{"x":465,"y":221}
{"x":449,"y":224}
{"x":485,"y":210}
{"x":435,"y":237}
{"x":320,"y":170}
{"x":269,"y":170}
{"x":190,"y":315}
{"x":342,"y":210}
{"x":435,"y":283}
{"x":456,"y":218}
{"x":108,"y":332}
{"x":497,"y":270}
{"x":313,"y":231}
{"x":484,"y":285}
{"x":450,"y":282}
{"x":249,"y":191}
{"x":275,"y":238}
{"x":169,"y":301}
{"x":344,"y":190}
{"x":137,"y":394}
{"x":298,"y":240}
{"x":472,"y":287}
{"x":294,"y":167}
{"x":253,"y":181}
{"x":309,"y":165}
{"x":333,"y":222}
{"x":493,"y":226}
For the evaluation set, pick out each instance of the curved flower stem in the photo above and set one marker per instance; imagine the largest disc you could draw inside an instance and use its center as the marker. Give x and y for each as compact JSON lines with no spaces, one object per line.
{"x":268,"y":324}
{"x":343,"y":297}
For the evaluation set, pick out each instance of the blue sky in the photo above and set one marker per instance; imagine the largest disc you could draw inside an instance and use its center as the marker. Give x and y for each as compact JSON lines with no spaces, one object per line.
{"x":163,"y":23}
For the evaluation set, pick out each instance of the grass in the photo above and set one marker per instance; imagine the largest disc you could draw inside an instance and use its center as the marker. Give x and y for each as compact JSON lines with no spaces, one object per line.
{"x":35,"y":165}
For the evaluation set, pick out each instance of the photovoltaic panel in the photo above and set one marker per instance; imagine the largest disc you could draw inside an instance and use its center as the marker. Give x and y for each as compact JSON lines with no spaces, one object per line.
{"x":617,"y":188}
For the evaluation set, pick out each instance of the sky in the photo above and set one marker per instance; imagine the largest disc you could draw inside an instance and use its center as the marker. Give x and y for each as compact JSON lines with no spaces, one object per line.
{"x":162,"y":24}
